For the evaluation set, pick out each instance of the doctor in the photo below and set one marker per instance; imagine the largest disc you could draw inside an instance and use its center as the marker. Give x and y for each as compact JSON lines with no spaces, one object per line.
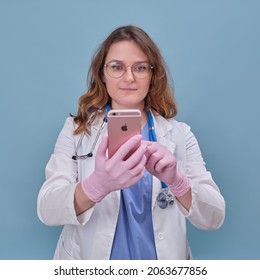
{"x":135,"y":208}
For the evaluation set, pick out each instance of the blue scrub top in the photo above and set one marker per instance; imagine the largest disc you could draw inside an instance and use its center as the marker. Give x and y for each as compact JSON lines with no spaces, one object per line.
{"x":134,"y":236}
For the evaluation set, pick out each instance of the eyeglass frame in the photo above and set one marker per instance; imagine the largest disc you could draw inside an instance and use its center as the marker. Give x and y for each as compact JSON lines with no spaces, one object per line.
{"x":131,"y":67}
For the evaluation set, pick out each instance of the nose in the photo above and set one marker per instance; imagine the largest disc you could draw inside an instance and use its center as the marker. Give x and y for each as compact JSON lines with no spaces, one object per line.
{"x":129,"y":74}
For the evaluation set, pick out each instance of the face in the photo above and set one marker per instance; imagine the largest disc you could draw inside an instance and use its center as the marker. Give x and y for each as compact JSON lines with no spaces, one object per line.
{"x":126,"y":92}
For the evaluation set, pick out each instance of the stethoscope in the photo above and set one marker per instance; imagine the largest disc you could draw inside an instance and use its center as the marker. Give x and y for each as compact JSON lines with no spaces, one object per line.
{"x":90,"y":154}
{"x":164,"y":198}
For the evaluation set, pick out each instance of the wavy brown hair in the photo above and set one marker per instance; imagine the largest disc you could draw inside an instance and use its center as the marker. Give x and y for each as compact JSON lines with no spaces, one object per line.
{"x":160,"y":97}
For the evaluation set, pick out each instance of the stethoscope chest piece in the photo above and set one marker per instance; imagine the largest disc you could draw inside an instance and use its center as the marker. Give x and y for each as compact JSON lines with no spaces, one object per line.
{"x":164,"y":198}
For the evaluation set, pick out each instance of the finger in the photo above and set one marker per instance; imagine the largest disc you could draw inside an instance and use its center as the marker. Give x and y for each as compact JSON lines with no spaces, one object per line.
{"x":127,"y":167}
{"x":128,"y":146}
{"x":140,"y":168}
{"x":136,"y":157}
{"x":149,"y":150}
{"x":134,"y":175}
{"x":163,"y":164}
{"x":153,"y":158}
{"x":152,"y":146}
{"x":152,"y":149}
{"x":147,"y":143}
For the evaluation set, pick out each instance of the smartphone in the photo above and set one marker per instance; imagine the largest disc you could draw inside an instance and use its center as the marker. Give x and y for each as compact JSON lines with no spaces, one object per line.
{"x":122,"y":125}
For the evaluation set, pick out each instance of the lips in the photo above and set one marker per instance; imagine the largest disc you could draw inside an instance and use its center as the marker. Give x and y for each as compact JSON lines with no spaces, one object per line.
{"x":128,"y":89}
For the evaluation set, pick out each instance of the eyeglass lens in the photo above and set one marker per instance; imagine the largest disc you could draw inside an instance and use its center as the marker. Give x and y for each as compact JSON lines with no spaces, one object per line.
{"x":117,"y":69}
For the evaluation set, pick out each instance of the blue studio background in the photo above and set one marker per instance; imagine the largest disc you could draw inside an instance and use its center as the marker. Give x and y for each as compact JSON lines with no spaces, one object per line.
{"x":212,"y":51}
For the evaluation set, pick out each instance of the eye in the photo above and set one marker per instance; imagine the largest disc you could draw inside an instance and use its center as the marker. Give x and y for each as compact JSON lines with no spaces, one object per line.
{"x":141,"y":67}
{"x":116,"y":67}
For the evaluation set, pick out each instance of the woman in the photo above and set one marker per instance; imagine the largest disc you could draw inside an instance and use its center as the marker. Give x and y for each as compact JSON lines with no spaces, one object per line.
{"x":135,"y":208}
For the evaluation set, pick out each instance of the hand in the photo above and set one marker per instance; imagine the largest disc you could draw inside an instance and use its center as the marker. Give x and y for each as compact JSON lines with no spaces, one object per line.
{"x":115,"y":173}
{"x":162,"y":164}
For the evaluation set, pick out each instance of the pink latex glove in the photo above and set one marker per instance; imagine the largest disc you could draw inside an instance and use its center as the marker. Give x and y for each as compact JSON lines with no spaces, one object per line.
{"x":162,"y":164}
{"x":115,"y":173}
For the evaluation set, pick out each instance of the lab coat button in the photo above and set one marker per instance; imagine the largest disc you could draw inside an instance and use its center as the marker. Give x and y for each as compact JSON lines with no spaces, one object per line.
{"x":160,"y":236}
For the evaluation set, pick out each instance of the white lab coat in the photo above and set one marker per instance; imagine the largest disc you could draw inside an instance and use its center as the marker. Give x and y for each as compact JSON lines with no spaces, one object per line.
{"x":90,"y":235}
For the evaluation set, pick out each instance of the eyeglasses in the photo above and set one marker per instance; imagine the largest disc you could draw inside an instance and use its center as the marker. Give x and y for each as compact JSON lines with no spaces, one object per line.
{"x":117,"y":69}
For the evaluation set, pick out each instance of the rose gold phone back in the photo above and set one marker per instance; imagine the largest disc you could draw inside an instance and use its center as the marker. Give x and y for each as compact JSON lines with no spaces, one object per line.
{"x":122,"y":125}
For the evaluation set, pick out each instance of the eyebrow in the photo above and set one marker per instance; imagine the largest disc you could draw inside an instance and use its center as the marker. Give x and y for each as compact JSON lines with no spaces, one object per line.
{"x":120,"y":61}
